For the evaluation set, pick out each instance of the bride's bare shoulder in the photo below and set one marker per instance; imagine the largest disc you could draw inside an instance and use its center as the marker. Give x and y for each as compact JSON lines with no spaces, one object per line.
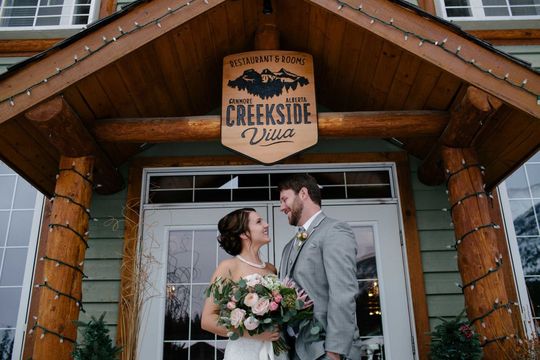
{"x":225,"y":269}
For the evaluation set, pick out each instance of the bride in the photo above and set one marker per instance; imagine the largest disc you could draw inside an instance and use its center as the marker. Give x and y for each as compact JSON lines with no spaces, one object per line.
{"x":242,"y":233}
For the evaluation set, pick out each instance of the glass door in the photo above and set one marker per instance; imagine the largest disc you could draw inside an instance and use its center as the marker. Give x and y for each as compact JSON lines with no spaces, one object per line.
{"x":180,"y":254}
{"x":382,"y":305}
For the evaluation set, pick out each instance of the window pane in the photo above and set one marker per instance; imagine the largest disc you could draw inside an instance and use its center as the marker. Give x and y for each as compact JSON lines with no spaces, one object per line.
{"x":175,"y":351}
{"x":253,"y":180}
{"x":4,"y":218}
{"x":366,"y":267}
{"x":496,"y":11}
{"x":250,"y":194}
{"x":533,"y":170}
{"x":368,"y":309}
{"x":179,"y":259}
{"x":202,"y":351}
{"x":19,"y":230}
{"x":171,"y":182}
{"x":177,"y":313}
{"x":535,"y":158}
{"x":168,"y":197}
{"x":369,"y":192}
{"x":25,"y":196}
{"x":4,"y":169}
{"x":524,"y":219}
{"x":533,"y":285}
{"x":211,"y":181}
{"x":517,"y":185}
{"x":529,"y":250}
{"x":13,"y":269}
{"x":197,"y":303}
{"x":337,"y":178}
{"x":7,"y":184}
{"x":212,"y":195}
{"x":10,"y":302}
{"x":204,"y":255}
{"x":6,"y":344}
{"x":331,"y":192}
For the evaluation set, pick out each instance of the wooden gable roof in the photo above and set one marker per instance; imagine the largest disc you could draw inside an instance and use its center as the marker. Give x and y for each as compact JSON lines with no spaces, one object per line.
{"x":162,"y":59}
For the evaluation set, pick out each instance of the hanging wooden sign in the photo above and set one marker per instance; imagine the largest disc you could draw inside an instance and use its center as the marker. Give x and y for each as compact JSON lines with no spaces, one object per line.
{"x":268,"y":109}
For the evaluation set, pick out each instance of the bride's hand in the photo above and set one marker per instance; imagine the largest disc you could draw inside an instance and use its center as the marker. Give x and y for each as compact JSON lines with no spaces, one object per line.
{"x":267,"y":336}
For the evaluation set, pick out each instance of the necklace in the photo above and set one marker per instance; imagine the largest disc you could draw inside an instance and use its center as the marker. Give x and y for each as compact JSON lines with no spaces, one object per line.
{"x":258,"y":266}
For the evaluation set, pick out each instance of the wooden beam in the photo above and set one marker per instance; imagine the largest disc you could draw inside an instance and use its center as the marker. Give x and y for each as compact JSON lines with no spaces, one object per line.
{"x":479,"y":258}
{"x":25,"y":47}
{"x":385,"y":124}
{"x":58,"y":122}
{"x":509,"y":36}
{"x":61,"y":286}
{"x":428,"y":6}
{"x":447,"y":60}
{"x":467,"y":117}
{"x":64,"y":58}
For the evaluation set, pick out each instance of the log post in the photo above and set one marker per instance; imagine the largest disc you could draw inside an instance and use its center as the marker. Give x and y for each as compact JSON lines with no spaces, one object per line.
{"x":479,"y":259}
{"x":60,"y":289}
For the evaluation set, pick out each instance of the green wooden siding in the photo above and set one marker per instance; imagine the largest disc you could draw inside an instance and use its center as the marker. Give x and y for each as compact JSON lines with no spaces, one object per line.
{"x":6,"y":62}
{"x":529,"y":53}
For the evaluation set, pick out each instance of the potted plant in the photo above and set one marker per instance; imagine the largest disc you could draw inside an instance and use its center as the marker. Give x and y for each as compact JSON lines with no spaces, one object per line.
{"x":455,"y":339}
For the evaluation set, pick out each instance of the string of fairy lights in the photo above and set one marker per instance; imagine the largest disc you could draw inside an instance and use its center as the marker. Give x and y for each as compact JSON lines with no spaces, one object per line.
{"x":76,"y":267}
{"x":497,"y":305}
{"x":441,"y":44}
{"x":136,"y":26}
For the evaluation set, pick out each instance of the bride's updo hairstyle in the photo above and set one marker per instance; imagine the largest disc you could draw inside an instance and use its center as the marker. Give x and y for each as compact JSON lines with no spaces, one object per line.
{"x":230,"y":227}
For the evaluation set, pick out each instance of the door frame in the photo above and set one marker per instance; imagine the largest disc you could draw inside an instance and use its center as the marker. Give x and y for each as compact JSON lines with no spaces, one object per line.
{"x":407,"y":216}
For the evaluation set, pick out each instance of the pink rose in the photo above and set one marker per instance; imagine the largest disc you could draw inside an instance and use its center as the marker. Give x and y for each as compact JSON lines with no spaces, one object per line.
{"x":237,"y":315}
{"x":251,"y":299}
{"x":251,"y":323}
{"x":231,"y":305}
{"x":273,"y":306}
{"x":278,"y":298}
{"x":261,"y":307}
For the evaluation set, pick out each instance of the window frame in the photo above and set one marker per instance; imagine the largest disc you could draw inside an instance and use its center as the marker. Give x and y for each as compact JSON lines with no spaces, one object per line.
{"x":50,"y":31}
{"x":478,"y":15}
{"x":519,"y":276}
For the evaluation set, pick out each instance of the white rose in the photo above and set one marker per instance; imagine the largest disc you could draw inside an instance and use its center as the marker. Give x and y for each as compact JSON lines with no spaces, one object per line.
{"x":251,"y":299}
{"x":237,"y":315}
{"x":253,"y":279}
{"x":261,"y":307}
{"x":251,"y":323}
{"x":270,"y":282}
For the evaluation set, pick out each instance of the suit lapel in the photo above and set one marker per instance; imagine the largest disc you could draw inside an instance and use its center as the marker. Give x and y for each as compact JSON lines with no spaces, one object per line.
{"x":295,"y":251}
{"x":284,"y":266}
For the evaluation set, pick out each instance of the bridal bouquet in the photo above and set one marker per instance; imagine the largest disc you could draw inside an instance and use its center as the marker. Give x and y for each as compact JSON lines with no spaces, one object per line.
{"x":258,"y":303}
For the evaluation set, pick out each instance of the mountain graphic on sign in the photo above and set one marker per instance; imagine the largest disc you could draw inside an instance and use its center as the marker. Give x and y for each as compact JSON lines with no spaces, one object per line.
{"x":267,"y":84}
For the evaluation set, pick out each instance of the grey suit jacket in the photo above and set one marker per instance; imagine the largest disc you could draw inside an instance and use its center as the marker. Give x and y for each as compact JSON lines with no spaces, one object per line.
{"x":325,"y":267}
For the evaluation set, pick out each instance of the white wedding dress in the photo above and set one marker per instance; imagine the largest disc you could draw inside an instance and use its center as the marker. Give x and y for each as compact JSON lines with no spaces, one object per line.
{"x":250,"y":349}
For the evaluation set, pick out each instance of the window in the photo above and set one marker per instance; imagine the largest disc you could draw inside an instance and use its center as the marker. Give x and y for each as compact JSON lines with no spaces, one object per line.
{"x":520,"y":196}
{"x":46,"y":14}
{"x":20,"y":215}
{"x":257,"y":186}
{"x":489,"y":9}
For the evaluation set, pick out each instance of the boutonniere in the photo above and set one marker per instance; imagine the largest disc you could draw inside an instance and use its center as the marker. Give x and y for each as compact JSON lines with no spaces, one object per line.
{"x":301,"y":236}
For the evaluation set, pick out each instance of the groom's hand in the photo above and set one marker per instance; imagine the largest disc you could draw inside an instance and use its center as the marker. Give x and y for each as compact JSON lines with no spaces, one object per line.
{"x":332,"y":355}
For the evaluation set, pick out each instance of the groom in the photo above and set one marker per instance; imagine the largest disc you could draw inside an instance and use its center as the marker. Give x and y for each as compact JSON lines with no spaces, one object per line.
{"x":321,"y":259}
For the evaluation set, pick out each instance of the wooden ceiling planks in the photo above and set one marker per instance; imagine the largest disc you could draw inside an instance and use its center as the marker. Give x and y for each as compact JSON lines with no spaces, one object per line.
{"x":385,"y":72}
{"x":78,"y":103}
{"x":444,"y":92}
{"x":364,"y":72}
{"x":96,"y":98}
{"x":237,"y":31}
{"x":117,"y":91}
{"x":293,"y":34}
{"x":169,"y":63}
{"x":400,"y":88}
{"x":424,"y":84}
{"x":350,"y":58}
{"x":331,"y":57}
{"x":318,"y":36}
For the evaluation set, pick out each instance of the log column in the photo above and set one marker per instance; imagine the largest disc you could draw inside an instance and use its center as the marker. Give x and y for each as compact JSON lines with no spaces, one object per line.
{"x":479,"y":260}
{"x":60,"y":289}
